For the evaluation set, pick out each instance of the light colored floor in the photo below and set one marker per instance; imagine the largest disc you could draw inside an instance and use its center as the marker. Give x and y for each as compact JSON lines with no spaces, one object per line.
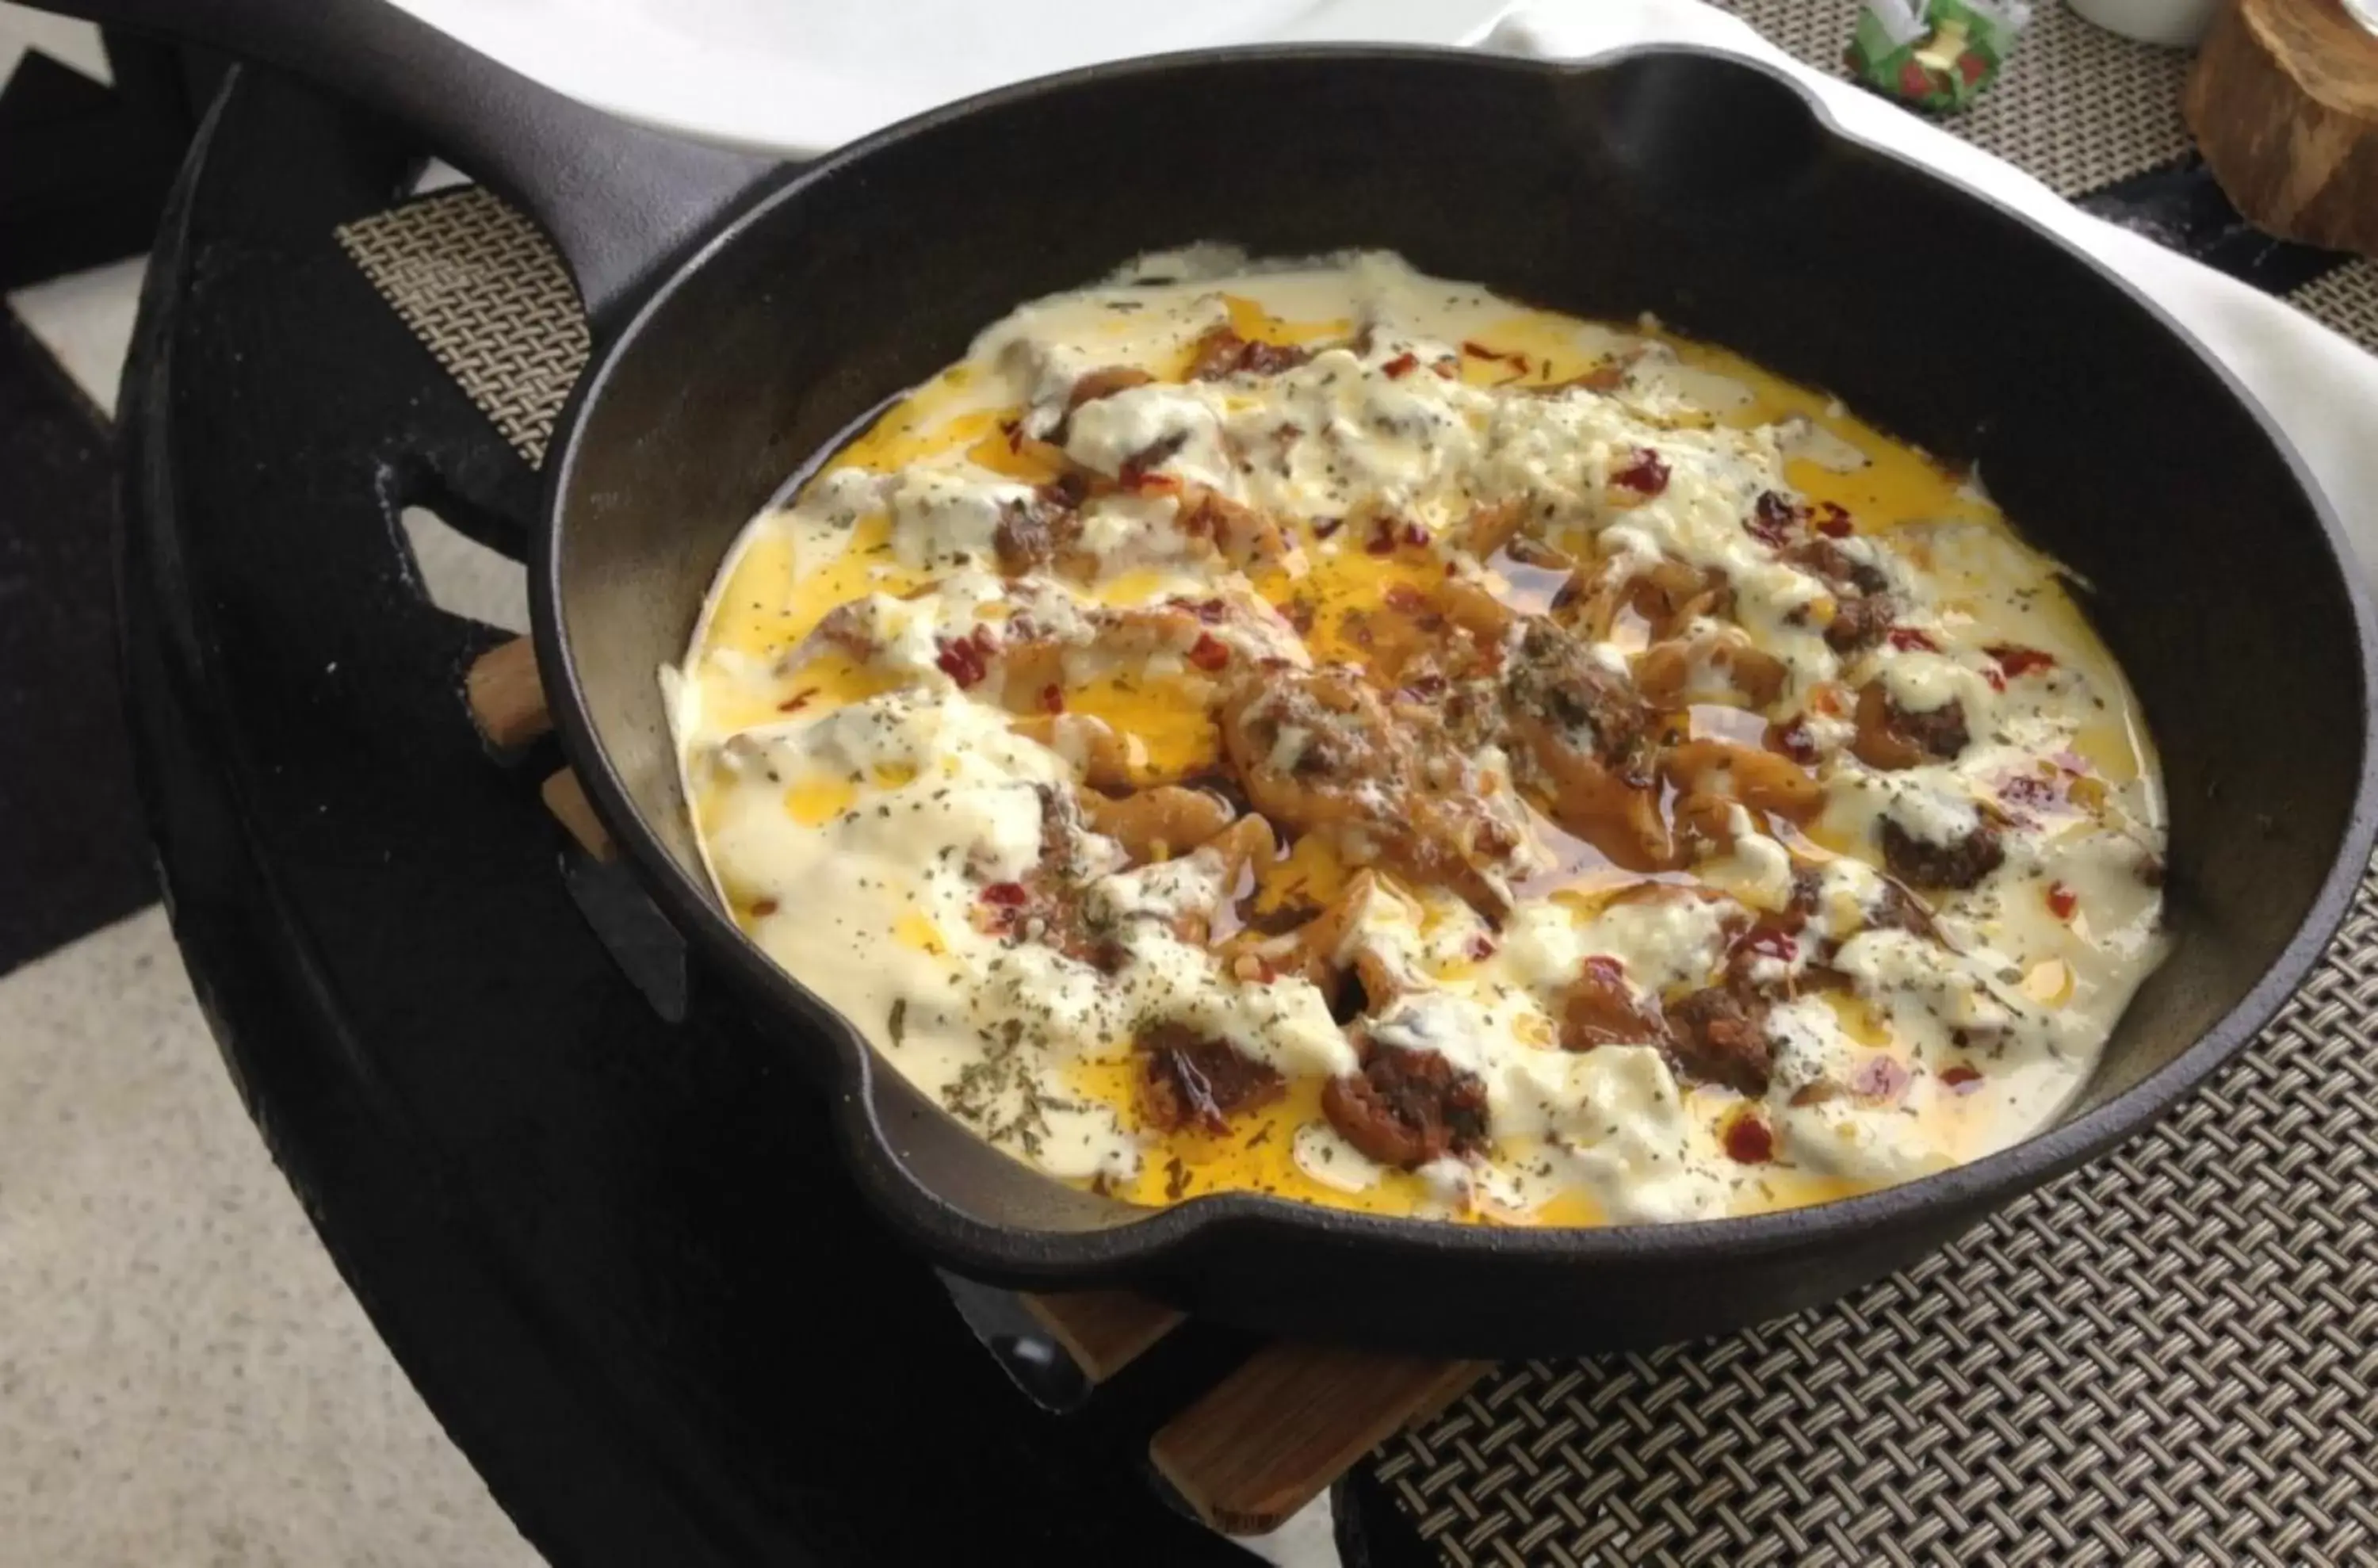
{"x":185,"y":1381}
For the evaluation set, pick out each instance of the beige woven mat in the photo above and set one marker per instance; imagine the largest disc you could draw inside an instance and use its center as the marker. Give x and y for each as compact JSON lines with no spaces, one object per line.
{"x":2171,"y":1357}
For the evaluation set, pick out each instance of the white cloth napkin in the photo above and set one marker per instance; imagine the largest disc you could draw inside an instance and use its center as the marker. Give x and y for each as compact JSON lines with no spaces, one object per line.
{"x":2322,"y":389}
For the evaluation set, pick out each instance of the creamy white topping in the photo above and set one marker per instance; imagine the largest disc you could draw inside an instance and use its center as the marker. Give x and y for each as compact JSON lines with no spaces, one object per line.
{"x":890,"y":829}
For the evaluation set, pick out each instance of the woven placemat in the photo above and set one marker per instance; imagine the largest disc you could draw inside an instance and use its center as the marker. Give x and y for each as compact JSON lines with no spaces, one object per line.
{"x":2076,"y":106}
{"x":2170,"y":1358}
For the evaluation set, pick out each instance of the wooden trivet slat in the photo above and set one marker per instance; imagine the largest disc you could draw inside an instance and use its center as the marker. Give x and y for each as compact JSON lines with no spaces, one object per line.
{"x":1254,"y":1449}
{"x":1270,"y":1438}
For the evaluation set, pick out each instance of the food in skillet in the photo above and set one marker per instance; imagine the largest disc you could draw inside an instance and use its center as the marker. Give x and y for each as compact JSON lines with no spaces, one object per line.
{"x":1325,"y":730}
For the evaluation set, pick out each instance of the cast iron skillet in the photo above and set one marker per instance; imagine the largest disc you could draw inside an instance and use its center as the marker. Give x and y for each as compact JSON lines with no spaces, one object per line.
{"x":745,"y":317}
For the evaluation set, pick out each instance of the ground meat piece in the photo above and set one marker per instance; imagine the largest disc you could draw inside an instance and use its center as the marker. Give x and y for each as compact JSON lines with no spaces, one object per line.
{"x":1222,"y":352}
{"x":1720,"y":1035}
{"x":1601,"y":1008}
{"x":1859,"y":623}
{"x":1555,"y":674}
{"x":1864,"y":608}
{"x":1030,"y":534}
{"x":1186,"y":1081}
{"x":1841,"y":571}
{"x":1406,"y":1108}
{"x":1890,"y":736}
{"x":1926,"y":864}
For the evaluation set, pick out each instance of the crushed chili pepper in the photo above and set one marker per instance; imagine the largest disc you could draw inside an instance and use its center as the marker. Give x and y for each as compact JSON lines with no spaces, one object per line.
{"x":1052,"y":698}
{"x":1646,"y":473}
{"x":763,"y":907}
{"x":1834,"y":520}
{"x":1482,"y":947}
{"x":1961,"y":1079}
{"x":1402,"y":365}
{"x":1209,"y":653}
{"x":1911,"y":639}
{"x":1749,"y":1141}
{"x":2016,"y":662}
{"x":1006,"y":895}
{"x":2061,"y":900}
{"x":1405,"y":597}
{"x":966,"y":659}
{"x":797,"y":701}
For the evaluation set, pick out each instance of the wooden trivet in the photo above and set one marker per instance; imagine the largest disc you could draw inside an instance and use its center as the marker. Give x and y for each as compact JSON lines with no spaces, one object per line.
{"x":2283,"y":104}
{"x":1253,"y":1449}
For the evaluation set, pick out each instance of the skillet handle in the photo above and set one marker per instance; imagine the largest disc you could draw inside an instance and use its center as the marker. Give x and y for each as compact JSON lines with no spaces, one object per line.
{"x":619,"y":202}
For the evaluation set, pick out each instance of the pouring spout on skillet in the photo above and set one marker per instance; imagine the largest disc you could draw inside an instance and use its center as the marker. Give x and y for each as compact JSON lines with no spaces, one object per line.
{"x":746,"y":319}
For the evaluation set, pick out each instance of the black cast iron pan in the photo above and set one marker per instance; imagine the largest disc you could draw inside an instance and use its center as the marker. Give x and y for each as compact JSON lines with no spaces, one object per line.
{"x":746,"y":316}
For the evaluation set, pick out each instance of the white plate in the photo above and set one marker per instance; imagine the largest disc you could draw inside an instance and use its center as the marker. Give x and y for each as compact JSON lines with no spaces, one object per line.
{"x":802,"y":76}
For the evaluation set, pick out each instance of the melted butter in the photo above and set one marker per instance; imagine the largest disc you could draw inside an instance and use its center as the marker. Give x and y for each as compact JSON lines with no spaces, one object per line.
{"x":1167,"y":730}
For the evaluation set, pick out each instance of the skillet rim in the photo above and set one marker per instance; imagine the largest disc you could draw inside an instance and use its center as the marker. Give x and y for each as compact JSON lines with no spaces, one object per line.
{"x":1135,"y":1249}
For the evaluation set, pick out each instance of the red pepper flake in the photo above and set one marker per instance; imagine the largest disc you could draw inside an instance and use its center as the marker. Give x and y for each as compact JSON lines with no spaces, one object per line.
{"x":1771,"y":517}
{"x":1209,"y":653}
{"x":1961,"y":1079}
{"x":1834,"y":520}
{"x":1646,"y":473}
{"x":1749,"y":1141}
{"x":2016,"y":662}
{"x":763,"y":907}
{"x":1006,"y":895}
{"x":2061,"y":900}
{"x":1052,"y":698}
{"x":1014,"y":430}
{"x":1910,"y":639}
{"x":1482,"y":947}
{"x":1382,"y":540}
{"x":1415,"y":535}
{"x":1881,"y":1078}
{"x":1325,"y":526}
{"x":797,"y":701}
{"x":1996,"y":680}
{"x":1402,"y":365}
{"x":966,"y":659}
{"x":1771,"y":942}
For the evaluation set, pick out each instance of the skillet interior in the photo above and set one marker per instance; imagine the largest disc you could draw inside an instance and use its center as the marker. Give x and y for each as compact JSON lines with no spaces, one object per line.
{"x":1700,"y":190}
